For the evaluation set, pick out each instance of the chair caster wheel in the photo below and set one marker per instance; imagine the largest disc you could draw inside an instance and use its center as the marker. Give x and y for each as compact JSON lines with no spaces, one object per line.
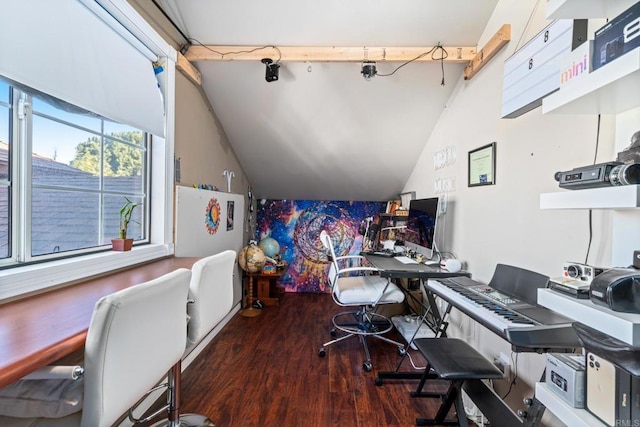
{"x":379,"y":381}
{"x":367,"y":366}
{"x":402,"y":351}
{"x":322,"y":352}
{"x":333,"y":333}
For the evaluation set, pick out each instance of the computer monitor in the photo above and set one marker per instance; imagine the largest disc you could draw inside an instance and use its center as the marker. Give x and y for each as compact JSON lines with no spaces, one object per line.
{"x":421,"y":226}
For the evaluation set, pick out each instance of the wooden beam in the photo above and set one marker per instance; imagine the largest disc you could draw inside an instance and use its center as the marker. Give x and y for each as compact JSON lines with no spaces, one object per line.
{"x":499,"y":39}
{"x":327,"y":53}
{"x":188,"y":69}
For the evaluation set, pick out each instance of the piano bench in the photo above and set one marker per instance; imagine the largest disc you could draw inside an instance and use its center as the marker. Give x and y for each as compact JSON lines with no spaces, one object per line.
{"x":455,"y":361}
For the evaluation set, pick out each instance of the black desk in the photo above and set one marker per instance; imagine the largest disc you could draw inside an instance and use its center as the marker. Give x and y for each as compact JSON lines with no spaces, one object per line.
{"x":393,"y":269}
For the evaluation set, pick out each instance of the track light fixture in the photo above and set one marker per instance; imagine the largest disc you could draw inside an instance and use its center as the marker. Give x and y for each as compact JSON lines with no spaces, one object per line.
{"x":272,"y":70}
{"x":368,"y":70}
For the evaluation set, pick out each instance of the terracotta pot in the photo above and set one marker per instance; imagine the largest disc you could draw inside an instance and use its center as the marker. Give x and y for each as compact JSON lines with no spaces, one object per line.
{"x":122,"y":244}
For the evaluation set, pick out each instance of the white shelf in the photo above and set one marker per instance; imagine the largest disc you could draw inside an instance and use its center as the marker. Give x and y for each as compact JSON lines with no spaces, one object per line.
{"x":621,"y":197}
{"x":611,"y":89}
{"x":578,"y":9}
{"x":569,"y":415}
{"x":623,"y":326}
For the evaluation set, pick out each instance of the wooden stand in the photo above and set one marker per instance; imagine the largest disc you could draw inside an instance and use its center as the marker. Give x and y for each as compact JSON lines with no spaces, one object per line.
{"x":266,"y":287}
{"x":249,"y":310}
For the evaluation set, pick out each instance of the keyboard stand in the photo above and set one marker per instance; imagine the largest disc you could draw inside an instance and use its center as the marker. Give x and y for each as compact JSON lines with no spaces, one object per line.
{"x":437,"y":323}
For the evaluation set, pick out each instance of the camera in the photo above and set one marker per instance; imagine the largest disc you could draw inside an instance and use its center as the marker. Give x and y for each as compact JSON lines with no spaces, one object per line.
{"x":271,"y":71}
{"x":581,"y":272}
{"x":599,"y":175}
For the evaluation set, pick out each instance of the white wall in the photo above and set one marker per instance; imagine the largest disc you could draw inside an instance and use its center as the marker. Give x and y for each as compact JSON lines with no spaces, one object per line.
{"x":503,"y":223}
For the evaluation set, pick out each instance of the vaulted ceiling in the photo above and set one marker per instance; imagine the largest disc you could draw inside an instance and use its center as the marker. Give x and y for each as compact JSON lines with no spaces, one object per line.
{"x":322,"y":131}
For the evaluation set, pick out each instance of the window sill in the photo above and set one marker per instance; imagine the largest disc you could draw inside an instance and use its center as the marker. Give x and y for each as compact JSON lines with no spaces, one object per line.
{"x":37,"y":278}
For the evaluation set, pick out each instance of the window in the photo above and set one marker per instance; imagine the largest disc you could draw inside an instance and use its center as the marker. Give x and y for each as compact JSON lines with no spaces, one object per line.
{"x":78,"y":169}
{"x":5,"y":170}
{"x":64,"y":170}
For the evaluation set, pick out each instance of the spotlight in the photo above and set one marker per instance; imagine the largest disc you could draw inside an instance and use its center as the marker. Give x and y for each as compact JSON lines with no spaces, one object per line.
{"x":271,"y":73}
{"x":368,"y":70}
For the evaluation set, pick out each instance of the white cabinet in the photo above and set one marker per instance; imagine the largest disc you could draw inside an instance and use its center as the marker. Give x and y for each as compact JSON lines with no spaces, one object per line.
{"x":619,"y":198}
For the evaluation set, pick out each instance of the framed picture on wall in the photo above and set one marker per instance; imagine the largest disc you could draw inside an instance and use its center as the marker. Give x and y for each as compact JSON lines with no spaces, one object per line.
{"x":482,"y":165}
{"x":230,"y":207}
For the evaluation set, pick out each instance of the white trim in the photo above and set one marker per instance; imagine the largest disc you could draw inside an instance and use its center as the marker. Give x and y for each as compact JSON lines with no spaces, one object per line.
{"x":38,"y":277}
{"x":129,"y":18}
{"x":112,"y":22}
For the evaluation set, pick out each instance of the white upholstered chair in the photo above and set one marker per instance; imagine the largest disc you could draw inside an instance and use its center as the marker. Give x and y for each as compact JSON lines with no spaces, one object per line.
{"x":358,"y":286}
{"x":210,"y":294}
{"x":135,"y":337}
{"x":210,"y":300}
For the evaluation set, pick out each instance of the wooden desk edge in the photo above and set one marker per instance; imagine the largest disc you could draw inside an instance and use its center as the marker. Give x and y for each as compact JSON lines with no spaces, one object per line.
{"x":14,"y":371}
{"x":86,"y":292}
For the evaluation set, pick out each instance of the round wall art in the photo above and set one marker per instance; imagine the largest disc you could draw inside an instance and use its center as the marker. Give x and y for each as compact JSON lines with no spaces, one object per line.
{"x":212,"y":216}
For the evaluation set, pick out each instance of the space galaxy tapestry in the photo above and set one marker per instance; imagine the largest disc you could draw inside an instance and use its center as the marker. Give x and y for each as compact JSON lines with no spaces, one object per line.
{"x":296,"y":226}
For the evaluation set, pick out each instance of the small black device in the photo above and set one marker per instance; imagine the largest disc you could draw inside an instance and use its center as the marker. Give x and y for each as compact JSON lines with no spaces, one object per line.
{"x":599,"y":175}
{"x":636,"y":259}
{"x":617,"y":289}
{"x":368,"y":70}
{"x":617,"y":37}
{"x":272,"y":70}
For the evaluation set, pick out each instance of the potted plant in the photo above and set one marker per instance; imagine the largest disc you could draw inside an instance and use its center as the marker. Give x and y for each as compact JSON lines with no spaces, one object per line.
{"x":123,"y":243}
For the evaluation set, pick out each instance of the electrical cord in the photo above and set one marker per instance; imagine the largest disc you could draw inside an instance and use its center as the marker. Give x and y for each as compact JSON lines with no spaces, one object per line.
{"x":240,"y":51}
{"x":595,"y":157}
{"x":515,"y":376}
{"x":417,"y":368}
{"x":189,"y":40}
{"x":185,"y":47}
{"x":433,"y":50}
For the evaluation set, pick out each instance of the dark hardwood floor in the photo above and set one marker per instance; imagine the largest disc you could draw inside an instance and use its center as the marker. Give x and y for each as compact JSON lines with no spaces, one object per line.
{"x":265,"y":371}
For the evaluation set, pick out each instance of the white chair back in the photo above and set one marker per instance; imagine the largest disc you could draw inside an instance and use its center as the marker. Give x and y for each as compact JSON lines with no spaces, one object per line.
{"x":135,"y":336}
{"x":211,"y":290}
{"x":325,"y":238}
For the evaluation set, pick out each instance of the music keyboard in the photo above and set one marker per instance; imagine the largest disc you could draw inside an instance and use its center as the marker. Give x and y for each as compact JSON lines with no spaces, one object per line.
{"x":522,"y":324}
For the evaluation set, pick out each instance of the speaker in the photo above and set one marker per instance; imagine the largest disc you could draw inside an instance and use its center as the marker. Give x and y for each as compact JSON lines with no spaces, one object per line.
{"x":451,"y":265}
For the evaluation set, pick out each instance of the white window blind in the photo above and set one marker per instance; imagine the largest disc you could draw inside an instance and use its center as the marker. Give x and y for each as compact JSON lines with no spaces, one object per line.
{"x":63,"y":49}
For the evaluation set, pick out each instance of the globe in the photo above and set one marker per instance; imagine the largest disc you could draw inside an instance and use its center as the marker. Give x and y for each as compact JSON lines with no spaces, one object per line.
{"x":269,"y":246}
{"x":251,"y":258}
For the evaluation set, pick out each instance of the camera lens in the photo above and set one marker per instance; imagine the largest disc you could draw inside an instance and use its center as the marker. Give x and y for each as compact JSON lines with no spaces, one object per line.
{"x":574,"y":271}
{"x":625,"y":174}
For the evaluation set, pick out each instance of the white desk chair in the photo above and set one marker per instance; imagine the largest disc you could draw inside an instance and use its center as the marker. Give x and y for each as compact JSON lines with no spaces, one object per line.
{"x":135,"y":337}
{"x":210,"y":294}
{"x":365,"y":291}
{"x":210,"y":300}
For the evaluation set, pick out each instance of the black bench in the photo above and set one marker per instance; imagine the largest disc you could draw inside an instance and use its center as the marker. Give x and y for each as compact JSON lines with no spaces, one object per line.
{"x":455,"y":361}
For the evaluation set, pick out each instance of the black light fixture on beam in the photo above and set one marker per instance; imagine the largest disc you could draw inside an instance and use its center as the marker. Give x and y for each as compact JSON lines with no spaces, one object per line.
{"x":272,"y":70}
{"x":368,"y":70}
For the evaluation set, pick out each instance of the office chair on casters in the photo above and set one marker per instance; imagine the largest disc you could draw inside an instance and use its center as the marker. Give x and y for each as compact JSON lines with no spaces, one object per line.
{"x":366,"y":291}
{"x":135,"y":337}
